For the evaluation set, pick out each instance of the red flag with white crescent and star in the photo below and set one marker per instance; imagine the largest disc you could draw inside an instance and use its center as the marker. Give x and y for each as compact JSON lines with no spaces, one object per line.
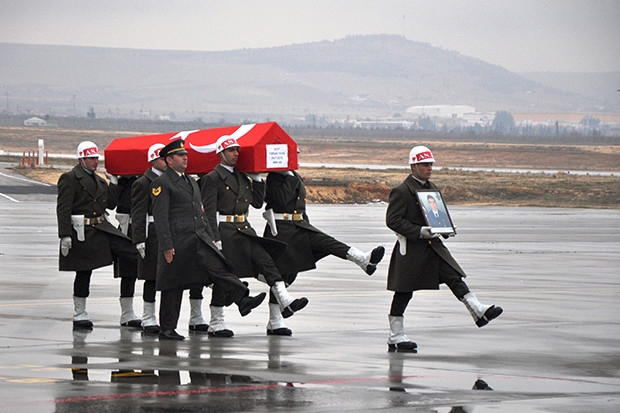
{"x":263,"y":147}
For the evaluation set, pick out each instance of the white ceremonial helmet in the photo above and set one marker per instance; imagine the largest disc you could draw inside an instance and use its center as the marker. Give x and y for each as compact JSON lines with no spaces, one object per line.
{"x":87,"y":149}
{"x":420,"y":154}
{"x":153,"y":152}
{"x":225,"y":142}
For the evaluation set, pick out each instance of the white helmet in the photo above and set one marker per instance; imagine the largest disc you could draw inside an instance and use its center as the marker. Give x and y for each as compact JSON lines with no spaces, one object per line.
{"x":225,"y":142}
{"x":420,"y":154}
{"x":153,"y":152}
{"x":87,"y":149}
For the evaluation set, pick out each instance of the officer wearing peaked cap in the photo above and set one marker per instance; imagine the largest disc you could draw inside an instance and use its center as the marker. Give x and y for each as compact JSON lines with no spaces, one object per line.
{"x":424,"y":262}
{"x":87,"y":239}
{"x":176,"y":146}
{"x":145,"y":238}
{"x":187,"y":254}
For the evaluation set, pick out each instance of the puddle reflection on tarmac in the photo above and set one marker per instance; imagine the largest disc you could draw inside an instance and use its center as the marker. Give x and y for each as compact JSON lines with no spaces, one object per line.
{"x":165,"y":387}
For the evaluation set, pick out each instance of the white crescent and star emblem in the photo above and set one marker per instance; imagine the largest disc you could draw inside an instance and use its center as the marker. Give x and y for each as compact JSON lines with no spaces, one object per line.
{"x":238,"y":134}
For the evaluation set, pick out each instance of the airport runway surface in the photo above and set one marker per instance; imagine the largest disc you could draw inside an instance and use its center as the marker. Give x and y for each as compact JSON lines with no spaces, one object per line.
{"x":556,"y":348}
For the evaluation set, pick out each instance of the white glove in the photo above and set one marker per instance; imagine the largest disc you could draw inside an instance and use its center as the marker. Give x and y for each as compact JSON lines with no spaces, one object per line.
{"x":141,"y":247}
{"x":425,"y":233}
{"x":113,"y":179}
{"x":218,"y":244}
{"x":255,"y":177}
{"x":65,"y":246}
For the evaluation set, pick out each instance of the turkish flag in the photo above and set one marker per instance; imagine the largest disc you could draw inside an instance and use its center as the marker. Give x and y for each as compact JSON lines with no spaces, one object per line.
{"x":263,"y":147}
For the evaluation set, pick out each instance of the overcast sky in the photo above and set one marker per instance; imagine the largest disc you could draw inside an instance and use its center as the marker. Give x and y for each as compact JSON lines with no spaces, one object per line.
{"x":520,"y":35}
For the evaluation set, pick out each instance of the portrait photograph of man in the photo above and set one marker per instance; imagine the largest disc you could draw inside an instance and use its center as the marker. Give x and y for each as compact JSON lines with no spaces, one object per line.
{"x":435,"y":211}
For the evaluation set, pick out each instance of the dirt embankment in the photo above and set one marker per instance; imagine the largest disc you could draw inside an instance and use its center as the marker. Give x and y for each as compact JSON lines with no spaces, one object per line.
{"x":354,"y":185}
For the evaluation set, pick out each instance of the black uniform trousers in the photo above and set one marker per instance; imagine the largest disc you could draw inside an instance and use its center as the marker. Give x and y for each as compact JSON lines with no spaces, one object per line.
{"x":120,"y":247}
{"x":217,"y":272}
{"x":447,"y":275}
{"x":324,"y":245}
{"x":321,"y":245}
{"x":262,"y":263}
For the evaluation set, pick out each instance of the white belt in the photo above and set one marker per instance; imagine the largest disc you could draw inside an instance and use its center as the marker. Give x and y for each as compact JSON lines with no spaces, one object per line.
{"x":149,"y":219}
{"x":232,"y":218}
{"x":288,"y":217}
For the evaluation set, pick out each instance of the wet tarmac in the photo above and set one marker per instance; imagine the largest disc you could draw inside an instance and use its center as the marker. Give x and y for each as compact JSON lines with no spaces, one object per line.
{"x":556,"y":348}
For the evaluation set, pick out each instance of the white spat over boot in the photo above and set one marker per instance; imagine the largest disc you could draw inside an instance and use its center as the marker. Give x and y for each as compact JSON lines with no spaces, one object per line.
{"x":398,"y":340}
{"x":80,"y":316}
{"x":149,"y":319}
{"x":128,"y":317}
{"x":481,"y":313}
{"x":217,"y":327}
{"x":275,"y":326}
{"x":288,"y":304}
{"x":367,"y":261}
{"x":197,"y":323}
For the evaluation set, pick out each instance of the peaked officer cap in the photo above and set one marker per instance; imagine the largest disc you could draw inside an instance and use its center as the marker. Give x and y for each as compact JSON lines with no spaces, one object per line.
{"x":173,"y":147}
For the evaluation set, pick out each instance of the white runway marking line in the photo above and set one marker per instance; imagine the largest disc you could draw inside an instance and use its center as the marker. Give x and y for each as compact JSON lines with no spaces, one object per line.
{"x":9,"y":198}
{"x":25,"y":179}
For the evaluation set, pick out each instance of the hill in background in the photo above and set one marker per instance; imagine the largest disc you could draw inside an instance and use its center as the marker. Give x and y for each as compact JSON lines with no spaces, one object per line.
{"x":355,"y":77}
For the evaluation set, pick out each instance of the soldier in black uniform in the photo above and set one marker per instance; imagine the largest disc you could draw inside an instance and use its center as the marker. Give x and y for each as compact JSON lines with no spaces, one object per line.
{"x":145,"y":237}
{"x":227,"y":195}
{"x":188,"y":256}
{"x":420,"y":260}
{"x":287,"y":221}
{"x":125,"y":268}
{"x":87,"y":239}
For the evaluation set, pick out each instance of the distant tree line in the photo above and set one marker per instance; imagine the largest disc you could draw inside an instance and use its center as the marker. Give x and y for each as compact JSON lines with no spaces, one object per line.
{"x":501,"y":130}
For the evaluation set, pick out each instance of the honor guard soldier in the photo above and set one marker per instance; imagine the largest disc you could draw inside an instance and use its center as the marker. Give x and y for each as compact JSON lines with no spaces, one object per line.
{"x":124,"y":268}
{"x":188,"y":256}
{"x":287,"y":221}
{"x":422,"y":261}
{"x":227,"y":195}
{"x":87,"y":239}
{"x":145,"y":237}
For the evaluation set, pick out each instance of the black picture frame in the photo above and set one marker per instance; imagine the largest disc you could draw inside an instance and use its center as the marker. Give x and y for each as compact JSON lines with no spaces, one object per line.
{"x":442,"y":224}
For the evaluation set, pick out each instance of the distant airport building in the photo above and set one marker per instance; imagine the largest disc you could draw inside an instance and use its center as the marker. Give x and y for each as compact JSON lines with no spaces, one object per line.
{"x":382,"y":124}
{"x":441,"y":111}
{"x":34,"y":121}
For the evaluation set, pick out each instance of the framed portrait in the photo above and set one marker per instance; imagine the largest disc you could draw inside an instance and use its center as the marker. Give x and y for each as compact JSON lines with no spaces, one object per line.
{"x":435,"y":211}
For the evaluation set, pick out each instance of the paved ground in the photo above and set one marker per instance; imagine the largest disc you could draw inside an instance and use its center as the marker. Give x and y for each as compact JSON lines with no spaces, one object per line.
{"x":555,"y":349}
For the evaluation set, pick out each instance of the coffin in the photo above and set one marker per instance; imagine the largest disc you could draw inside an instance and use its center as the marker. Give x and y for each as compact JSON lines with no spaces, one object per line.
{"x":263,"y":147}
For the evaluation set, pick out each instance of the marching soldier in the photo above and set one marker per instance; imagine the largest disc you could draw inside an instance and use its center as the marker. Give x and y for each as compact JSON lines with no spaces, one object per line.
{"x":145,"y":237}
{"x":124,"y":268}
{"x":287,"y":221}
{"x":87,"y":239}
{"x":227,"y":195}
{"x":422,"y":262}
{"x":188,"y":256}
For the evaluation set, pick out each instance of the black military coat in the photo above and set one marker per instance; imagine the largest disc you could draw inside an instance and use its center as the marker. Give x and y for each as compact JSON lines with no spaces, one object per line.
{"x":229,"y":193}
{"x":418,"y":269}
{"x":141,"y":208}
{"x":80,"y":193}
{"x":287,"y":194}
{"x":124,"y":266}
